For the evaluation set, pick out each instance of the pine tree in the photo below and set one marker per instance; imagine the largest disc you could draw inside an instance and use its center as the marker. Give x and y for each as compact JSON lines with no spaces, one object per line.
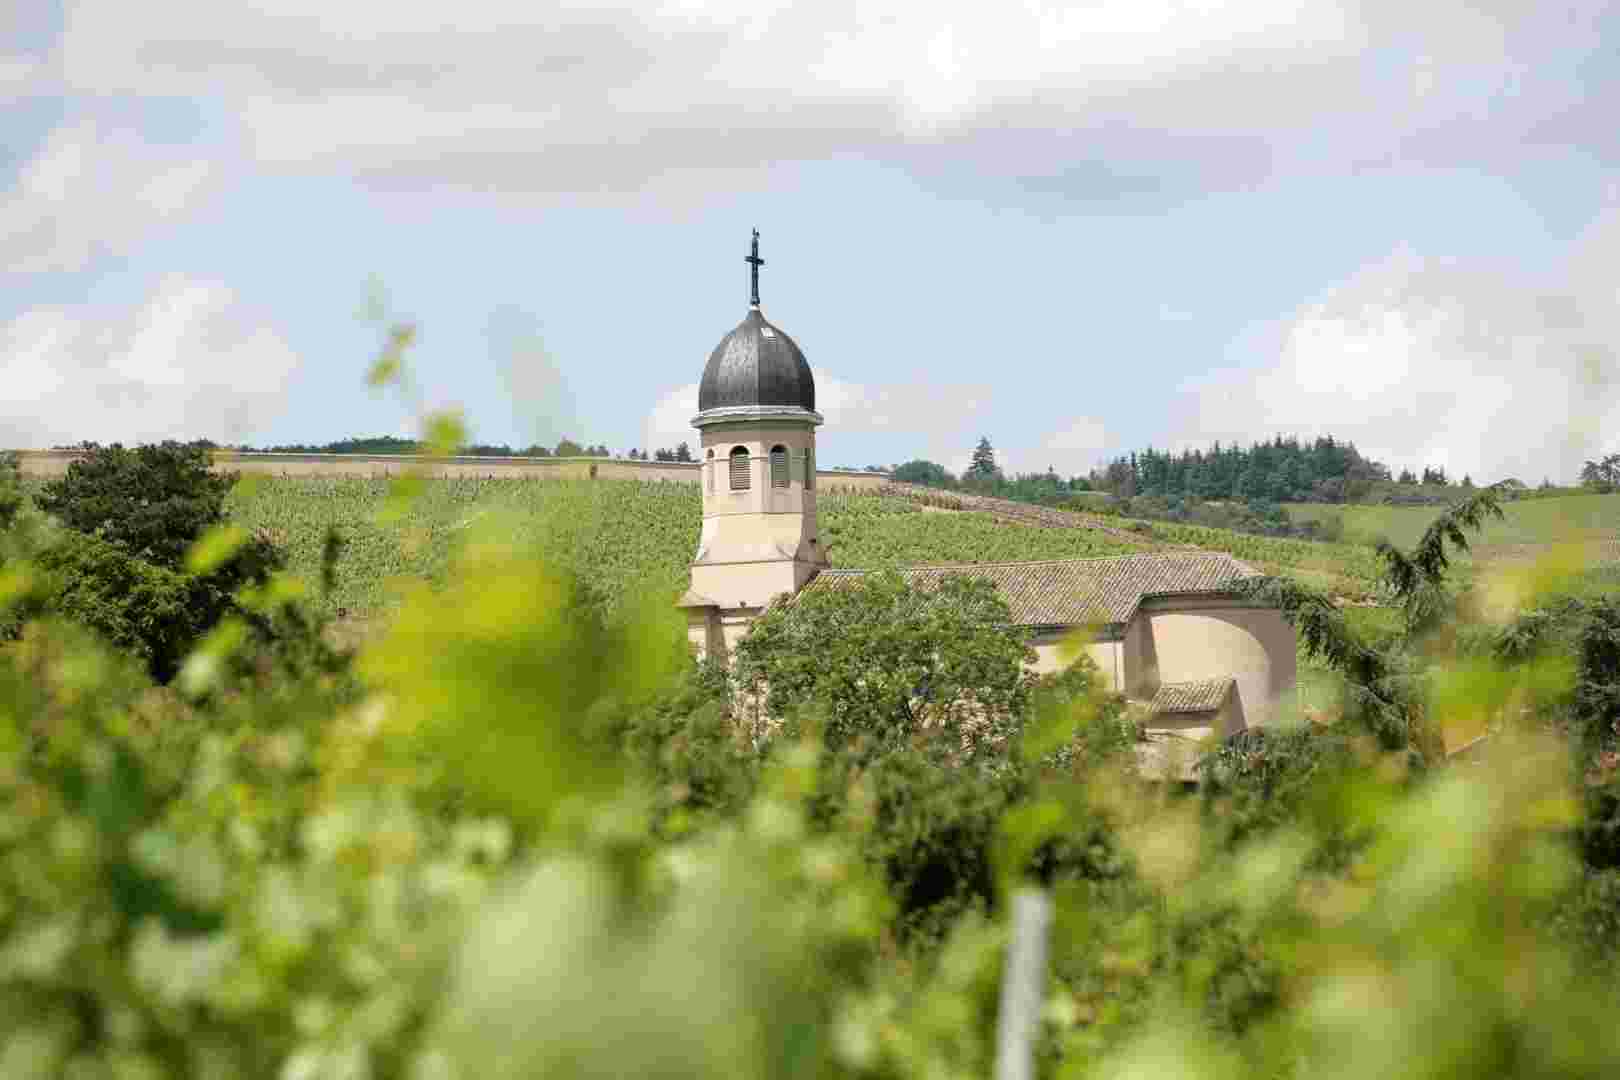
{"x":984,"y":461}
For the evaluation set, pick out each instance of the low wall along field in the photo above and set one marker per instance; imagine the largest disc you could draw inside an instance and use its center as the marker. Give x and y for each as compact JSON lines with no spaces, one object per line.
{"x":47,"y":463}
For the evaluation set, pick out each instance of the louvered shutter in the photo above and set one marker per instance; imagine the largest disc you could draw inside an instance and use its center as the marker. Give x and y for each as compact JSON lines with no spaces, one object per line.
{"x":740,"y":480}
{"x":779,"y":466}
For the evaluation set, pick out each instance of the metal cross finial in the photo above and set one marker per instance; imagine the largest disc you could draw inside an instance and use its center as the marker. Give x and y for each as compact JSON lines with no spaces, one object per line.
{"x":755,"y":263}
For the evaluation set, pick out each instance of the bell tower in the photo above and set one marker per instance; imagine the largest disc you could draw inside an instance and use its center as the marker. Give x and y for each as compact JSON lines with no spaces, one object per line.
{"x":757,"y":421}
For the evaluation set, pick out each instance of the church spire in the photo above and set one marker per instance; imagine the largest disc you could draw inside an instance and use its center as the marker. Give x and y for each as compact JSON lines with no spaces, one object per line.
{"x":755,"y":262}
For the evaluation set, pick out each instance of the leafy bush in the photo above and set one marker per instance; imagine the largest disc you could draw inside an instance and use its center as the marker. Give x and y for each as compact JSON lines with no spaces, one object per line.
{"x":892,"y":664}
{"x":153,"y":501}
{"x":149,"y":611}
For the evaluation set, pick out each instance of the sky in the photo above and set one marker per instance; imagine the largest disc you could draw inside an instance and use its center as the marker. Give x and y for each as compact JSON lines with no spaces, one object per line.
{"x":1075,"y":229}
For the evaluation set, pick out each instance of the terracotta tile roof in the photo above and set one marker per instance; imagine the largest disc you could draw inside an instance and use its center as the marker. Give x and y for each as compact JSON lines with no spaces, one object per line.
{"x":1205,"y":695}
{"x":1075,"y":592}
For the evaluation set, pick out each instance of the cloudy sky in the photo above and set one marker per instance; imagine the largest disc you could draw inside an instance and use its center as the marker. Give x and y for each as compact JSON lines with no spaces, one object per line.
{"x":1077,"y":229}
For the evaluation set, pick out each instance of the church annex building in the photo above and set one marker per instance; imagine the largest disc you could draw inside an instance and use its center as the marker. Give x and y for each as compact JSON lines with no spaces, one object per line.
{"x":1162,"y":628}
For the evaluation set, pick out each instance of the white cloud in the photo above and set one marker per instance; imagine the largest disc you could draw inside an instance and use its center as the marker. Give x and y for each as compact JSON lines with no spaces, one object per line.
{"x":18,"y":75}
{"x":1072,"y":451}
{"x":619,"y":95}
{"x":192,"y":361}
{"x":848,"y":407}
{"x":88,"y":192}
{"x":1426,"y":362}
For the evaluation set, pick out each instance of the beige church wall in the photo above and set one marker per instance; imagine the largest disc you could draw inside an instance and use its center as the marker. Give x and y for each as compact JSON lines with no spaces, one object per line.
{"x":49,"y":463}
{"x":743,"y":538}
{"x":1200,"y":639}
{"x":752,"y":584}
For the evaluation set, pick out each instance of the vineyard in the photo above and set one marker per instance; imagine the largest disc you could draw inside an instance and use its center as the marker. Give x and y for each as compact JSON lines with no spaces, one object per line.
{"x":624,"y":537}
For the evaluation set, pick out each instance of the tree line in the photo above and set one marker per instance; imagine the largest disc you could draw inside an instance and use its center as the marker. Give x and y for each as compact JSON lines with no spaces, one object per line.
{"x":1284,"y":469}
{"x":385,"y":445}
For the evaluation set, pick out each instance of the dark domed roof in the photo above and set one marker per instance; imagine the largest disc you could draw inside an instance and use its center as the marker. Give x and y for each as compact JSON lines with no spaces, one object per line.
{"x":756,"y":364}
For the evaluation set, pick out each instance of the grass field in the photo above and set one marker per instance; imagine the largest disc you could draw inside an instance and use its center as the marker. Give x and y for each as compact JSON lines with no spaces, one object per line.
{"x":1528,"y":521}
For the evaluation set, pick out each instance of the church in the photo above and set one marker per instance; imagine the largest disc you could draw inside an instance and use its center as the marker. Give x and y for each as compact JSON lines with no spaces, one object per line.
{"x":1163,"y":628}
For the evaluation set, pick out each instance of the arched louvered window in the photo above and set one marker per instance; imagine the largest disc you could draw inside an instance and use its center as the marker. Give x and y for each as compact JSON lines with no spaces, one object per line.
{"x":809,"y":471}
{"x":708,"y":473}
{"x":740,"y":479}
{"x":779,"y":467}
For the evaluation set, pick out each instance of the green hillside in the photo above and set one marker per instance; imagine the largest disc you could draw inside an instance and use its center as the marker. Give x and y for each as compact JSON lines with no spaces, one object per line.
{"x":1528,"y":521}
{"x":618,"y":535}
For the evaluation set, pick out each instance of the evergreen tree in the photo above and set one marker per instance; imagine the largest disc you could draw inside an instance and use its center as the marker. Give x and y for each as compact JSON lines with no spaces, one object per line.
{"x":983,"y":467}
{"x":683,"y":452}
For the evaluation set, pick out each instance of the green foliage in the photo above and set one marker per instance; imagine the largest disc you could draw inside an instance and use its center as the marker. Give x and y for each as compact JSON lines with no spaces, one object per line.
{"x":1416,"y":580}
{"x":1383,"y":686}
{"x":1603,"y":474}
{"x":885,"y":662}
{"x":11,"y":496}
{"x":983,"y":467}
{"x":528,"y":837}
{"x":535,"y":841}
{"x":926,"y":473}
{"x":152,"y":501}
{"x":1282,"y":470}
{"x":152,"y":612}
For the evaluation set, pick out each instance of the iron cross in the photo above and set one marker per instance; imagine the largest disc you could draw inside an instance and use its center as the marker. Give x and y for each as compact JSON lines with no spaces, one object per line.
{"x":755,"y":263}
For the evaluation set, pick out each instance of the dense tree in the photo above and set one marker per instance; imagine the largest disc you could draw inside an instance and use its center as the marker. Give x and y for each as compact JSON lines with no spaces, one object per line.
{"x":683,"y":452}
{"x":887,"y":663}
{"x":927,"y":473}
{"x":1282,"y":470}
{"x":983,"y":468}
{"x":152,"y":502}
{"x":1602,"y":474}
{"x":569,"y":448}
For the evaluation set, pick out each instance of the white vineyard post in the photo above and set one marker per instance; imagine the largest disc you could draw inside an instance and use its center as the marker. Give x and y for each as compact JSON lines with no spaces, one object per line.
{"x":1023,"y":985}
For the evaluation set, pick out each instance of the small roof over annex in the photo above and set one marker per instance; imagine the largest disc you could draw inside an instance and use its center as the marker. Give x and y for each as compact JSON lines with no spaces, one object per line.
{"x":1078,"y":592}
{"x":1201,"y":696}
